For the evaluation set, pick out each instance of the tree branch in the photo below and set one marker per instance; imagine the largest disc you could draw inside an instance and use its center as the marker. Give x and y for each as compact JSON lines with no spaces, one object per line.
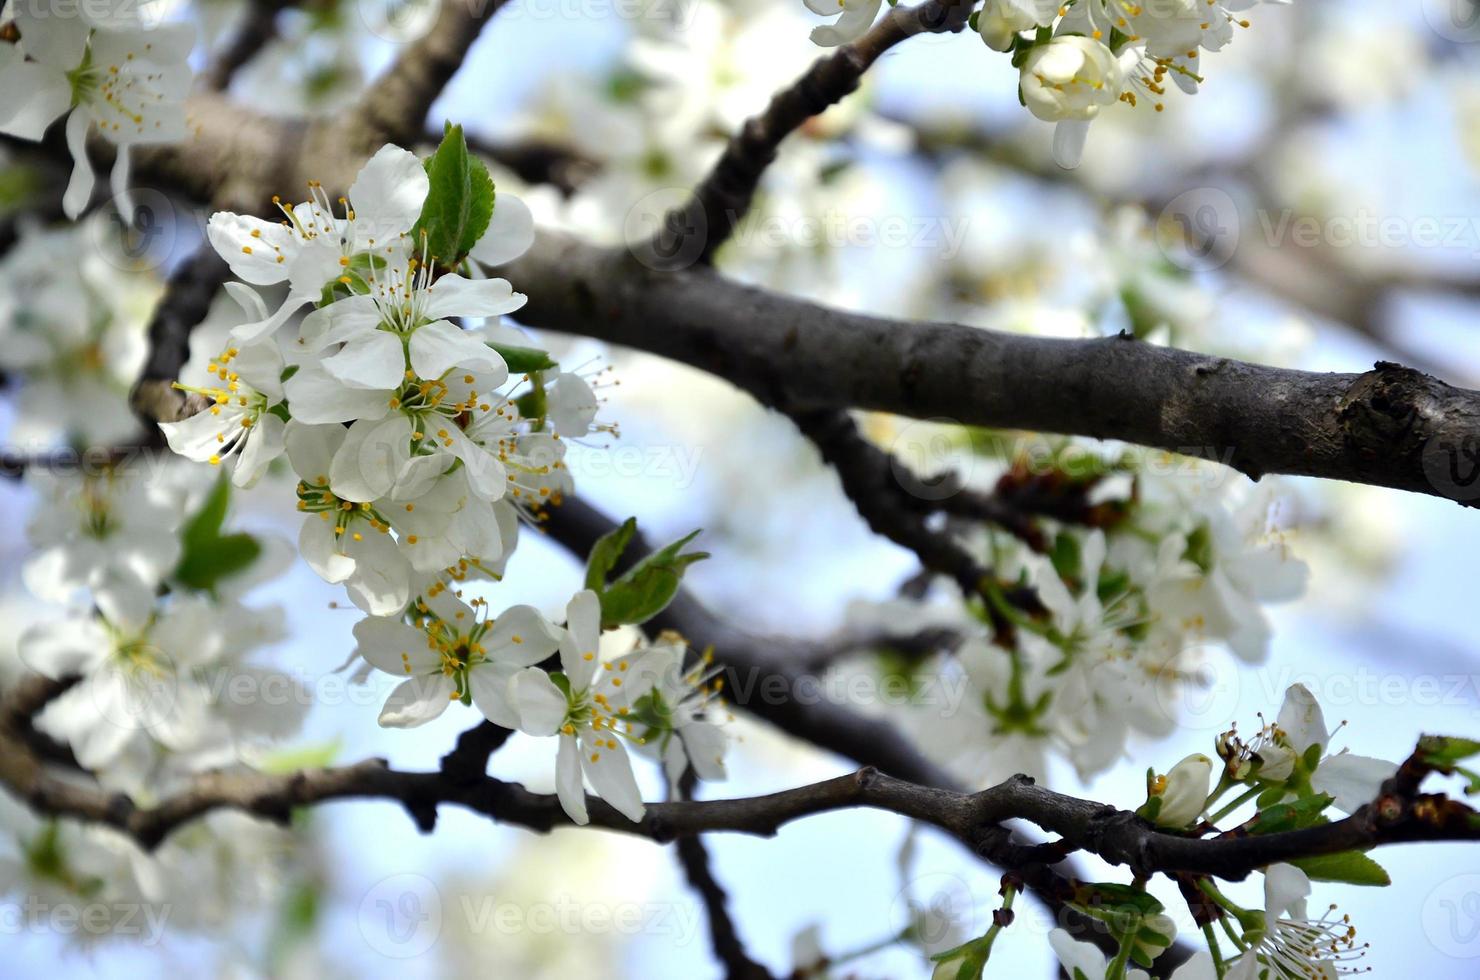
{"x":694,"y":231}
{"x":1391,"y":426}
{"x":257,"y":29}
{"x":394,"y":108}
{"x":693,"y":857}
{"x":1400,"y":813}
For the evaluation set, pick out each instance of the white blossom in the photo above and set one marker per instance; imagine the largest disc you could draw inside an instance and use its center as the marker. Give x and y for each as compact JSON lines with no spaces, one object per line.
{"x":130,"y":82}
{"x":588,"y":712}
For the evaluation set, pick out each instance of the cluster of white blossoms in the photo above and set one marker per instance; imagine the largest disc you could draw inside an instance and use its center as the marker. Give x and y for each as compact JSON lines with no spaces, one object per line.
{"x":100,"y":66}
{"x":162,"y":656}
{"x":1280,"y":940}
{"x":1184,"y":559}
{"x":169,"y":626}
{"x":1077,"y":57}
{"x":525,"y":673}
{"x":418,"y":456}
{"x":72,"y":325}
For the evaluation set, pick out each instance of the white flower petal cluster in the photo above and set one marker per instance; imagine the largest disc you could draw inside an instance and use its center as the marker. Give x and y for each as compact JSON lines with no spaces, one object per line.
{"x":1290,"y":944}
{"x":152,"y":658}
{"x":99,"y":66}
{"x":1117,"y":637}
{"x":167,"y":680}
{"x":1081,"y":56}
{"x":594,"y":705}
{"x":1295,"y":752}
{"x":415,"y":462}
{"x":72,"y":324}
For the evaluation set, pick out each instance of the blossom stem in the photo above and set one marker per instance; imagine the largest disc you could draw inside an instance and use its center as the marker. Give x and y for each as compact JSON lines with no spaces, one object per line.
{"x":1219,"y":968}
{"x":1235,"y":803}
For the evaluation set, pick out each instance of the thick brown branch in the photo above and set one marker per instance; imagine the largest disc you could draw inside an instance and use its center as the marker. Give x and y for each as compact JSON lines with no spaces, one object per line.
{"x":1390,"y":426}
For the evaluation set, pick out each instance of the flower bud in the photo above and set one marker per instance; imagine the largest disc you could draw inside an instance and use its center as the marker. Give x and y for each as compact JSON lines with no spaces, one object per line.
{"x":1070,"y":77}
{"x":1184,"y":791}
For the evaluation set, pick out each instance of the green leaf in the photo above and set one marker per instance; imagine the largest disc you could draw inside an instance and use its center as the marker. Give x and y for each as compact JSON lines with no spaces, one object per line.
{"x":1444,"y":752}
{"x":523,"y":360}
{"x":1349,"y":867}
{"x":1290,"y":816}
{"x":1122,"y":907}
{"x":206,"y":555}
{"x":1066,"y":556}
{"x":459,"y":202}
{"x":606,"y":552}
{"x":644,"y":590}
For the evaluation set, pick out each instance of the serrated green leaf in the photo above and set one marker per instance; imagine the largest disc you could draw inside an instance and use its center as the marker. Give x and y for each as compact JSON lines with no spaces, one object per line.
{"x":1349,"y":867}
{"x":644,"y":590}
{"x":459,"y":201}
{"x":523,"y":360}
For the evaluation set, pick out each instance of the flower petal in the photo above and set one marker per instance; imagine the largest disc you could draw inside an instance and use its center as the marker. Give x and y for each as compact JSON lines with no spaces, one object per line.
{"x":372,"y":361}
{"x":439,"y":346}
{"x":316,"y":397}
{"x":394,"y":647}
{"x":1352,"y":780}
{"x":372,"y":457}
{"x":1301,"y":720}
{"x":610,"y":771}
{"x":539,"y":704}
{"x":454,"y":295}
{"x":510,"y":232}
{"x":522,"y":637}
{"x":568,"y":784}
{"x":387,"y":196}
{"x":80,"y":185}
{"x":417,"y":701}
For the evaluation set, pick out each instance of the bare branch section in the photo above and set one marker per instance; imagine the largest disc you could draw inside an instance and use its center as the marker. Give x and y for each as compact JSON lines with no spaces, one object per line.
{"x":694,"y":231}
{"x":1400,"y":813}
{"x":693,"y":858}
{"x":394,"y":108}
{"x":1391,"y":426}
{"x":257,"y":29}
